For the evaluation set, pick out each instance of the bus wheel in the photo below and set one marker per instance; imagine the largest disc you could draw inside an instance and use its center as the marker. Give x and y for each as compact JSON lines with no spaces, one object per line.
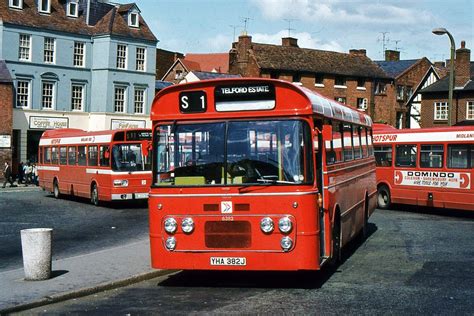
{"x":365,"y":227}
{"x":56,"y":192}
{"x":383,"y":197}
{"x":336,"y":242}
{"x":94,"y":195}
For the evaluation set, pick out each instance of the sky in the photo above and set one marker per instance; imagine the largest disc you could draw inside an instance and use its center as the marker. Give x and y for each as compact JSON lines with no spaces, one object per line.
{"x":210,"y":26}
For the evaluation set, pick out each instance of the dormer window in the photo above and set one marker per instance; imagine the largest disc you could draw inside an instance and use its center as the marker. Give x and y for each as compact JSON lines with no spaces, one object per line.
{"x":73,"y":9}
{"x":133,"y":19}
{"x":44,"y":6}
{"x":16,"y":4}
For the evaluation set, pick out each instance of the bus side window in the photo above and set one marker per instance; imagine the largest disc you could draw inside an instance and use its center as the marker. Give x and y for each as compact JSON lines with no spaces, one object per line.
{"x":363,"y":145}
{"x":458,"y":156}
{"x":81,"y":155}
{"x":71,"y":155}
{"x":92,"y":158}
{"x":47,"y":155}
{"x":54,"y":155}
{"x":431,"y":156}
{"x":104,"y":160}
{"x":62,"y":155}
{"x":347,"y":142}
{"x":356,"y":141}
{"x":383,"y":156}
{"x":405,"y":155}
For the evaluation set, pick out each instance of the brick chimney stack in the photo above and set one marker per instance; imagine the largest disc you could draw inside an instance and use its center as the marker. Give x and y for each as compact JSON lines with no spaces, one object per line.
{"x":392,"y":55}
{"x":462,"y":66}
{"x":289,"y":41}
{"x":358,"y":52}
{"x":238,"y":55}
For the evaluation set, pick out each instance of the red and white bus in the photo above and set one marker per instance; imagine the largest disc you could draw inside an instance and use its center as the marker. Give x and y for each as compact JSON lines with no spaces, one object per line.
{"x":426,"y":166}
{"x":256,"y":174}
{"x":101,"y":165}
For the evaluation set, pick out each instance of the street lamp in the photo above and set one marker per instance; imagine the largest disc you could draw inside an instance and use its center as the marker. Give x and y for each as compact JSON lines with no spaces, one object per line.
{"x":442,"y":31}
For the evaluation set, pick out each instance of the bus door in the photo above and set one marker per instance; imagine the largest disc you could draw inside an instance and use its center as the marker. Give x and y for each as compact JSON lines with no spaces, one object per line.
{"x":318,"y":150}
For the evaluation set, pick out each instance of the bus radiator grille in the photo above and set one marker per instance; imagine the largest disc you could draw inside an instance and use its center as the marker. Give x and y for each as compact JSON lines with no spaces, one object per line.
{"x":235,"y":234}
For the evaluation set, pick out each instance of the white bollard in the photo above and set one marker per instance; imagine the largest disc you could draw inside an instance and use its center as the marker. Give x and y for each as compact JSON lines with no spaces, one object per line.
{"x":36,"y":248}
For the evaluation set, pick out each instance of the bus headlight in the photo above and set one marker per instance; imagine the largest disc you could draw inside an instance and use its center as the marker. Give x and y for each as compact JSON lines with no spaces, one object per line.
{"x":285,"y":225}
{"x":266,"y":225}
{"x":170,"y":225}
{"x":286,"y":243}
{"x":170,"y":243}
{"x":120,"y":183}
{"x":187,"y":225}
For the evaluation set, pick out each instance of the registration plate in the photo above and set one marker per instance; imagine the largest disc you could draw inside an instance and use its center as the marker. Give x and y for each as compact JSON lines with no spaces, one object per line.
{"x":141,"y":195}
{"x":228,"y":261}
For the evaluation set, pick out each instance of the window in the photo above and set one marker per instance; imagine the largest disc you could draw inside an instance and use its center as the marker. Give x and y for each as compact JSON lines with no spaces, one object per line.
{"x":380,"y":88}
{"x":139,"y":101}
{"x":47,"y":95}
{"x":361,"y":83}
{"x":340,"y":100}
{"x":81,"y":155}
{"x":319,"y":80}
{"x":133,"y":19}
{"x":297,"y":77}
{"x":178,"y":75}
{"x":119,"y":101}
{"x":92,"y":158}
{"x":274,"y":74}
{"x":23,"y":93}
{"x":409,"y":92}
{"x":370,"y":145}
{"x":347,"y":142}
{"x":140,"y":62}
{"x":441,"y":111}
{"x":63,"y":155}
{"x":121,"y":56}
{"x":24,"y":53}
{"x":44,"y":6}
{"x":334,"y":146}
{"x":49,"y":44}
{"x":104,"y":156}
{"x":340,"y":82}
{"x":460,"y":156}
{"x":54,"y":155}
{"x":470,"y":110}
{"x":405,"y":156}
{"x":362,"y":104}
{"x":71,"y":155}
{"x":47,"y":155}
{"x":73,"y":9}
{"x":383,"y":156}
{"x":16,"y":4}
{"x":363,"y":137}
{"x":431,"y":156}
{"x":400,"y":93}
{"x":357,"y":141}
{"x":77,"y":97}
{"x":79,"y":53}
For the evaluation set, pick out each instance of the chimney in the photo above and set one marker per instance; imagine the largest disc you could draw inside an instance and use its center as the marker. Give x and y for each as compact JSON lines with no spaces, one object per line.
{"x":358,"y":52}
{"x":289,"y":41}
{"x":462,"y":66}
{"x":239,"y":55}
{"x":392,"y":55}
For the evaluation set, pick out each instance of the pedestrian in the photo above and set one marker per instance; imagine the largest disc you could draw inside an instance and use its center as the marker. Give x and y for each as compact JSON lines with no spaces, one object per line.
{"x":7,"y":173}
{"x":27,"y":171}
{"x":34,"y":173}
{"x":21,"y":173}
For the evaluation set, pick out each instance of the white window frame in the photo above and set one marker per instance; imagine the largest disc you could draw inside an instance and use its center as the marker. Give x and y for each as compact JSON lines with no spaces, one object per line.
{"x":24,"y":47}
{"x":469,"y":110}
{"x":48,"y":48}
{"x":12,"y":4}
{"x":141,"y":60}
{"x":137,"y":20}
{"x":137,"y":101}
{"x":72,"y":4}
{"x":122,"y":56}
{"x":438,"y":108}
{"x":79,"y":54}
{"x":41,"y":9}
{"x":51,"y":95}
{"x":74,"y":97}
{"x":123,"y":99}
{"x":27,"y":94}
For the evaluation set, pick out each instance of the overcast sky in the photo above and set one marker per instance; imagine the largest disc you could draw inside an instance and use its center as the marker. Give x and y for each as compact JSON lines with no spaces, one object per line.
{"x":207,"y":26}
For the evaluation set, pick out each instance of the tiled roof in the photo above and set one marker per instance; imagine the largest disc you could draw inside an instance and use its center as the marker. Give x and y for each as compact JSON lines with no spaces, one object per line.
{"x":442,"y":85}
{"x":395,"y":68}
{"x":191,"y":65}
{"x":5,"y":76}
{"x":104,"y":18}
{"x":275,"y":57}
{"x":209,"y":62}
{"x":159,"y":84}
{"x":203,"y":75}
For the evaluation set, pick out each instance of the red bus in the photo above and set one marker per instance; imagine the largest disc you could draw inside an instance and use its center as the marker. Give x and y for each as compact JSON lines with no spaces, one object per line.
{"x":256,"y":174}
{"x":101,"y":165}
{"x":427,"y":166}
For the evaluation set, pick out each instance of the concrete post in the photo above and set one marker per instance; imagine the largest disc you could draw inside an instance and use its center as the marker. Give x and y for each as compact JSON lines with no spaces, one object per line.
{"x":36,"y":248}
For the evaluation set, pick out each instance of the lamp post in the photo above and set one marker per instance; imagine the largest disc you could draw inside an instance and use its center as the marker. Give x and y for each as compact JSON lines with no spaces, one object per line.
{"x":442,"y":31}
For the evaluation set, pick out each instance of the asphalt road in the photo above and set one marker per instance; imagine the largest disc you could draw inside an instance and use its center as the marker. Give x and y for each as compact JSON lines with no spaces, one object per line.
{"x":78,"y":226}
{"x":412,"y":263}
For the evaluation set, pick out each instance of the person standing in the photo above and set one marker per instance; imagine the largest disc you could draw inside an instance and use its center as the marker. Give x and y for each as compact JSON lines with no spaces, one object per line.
{"x":27,"y":171}
{"x":21,"y":173}
{"x":7,"y":173}
{"x":34,"y":173}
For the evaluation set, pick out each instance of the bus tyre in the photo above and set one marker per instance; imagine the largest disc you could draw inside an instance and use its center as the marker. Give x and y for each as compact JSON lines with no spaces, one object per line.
{"x":336,"y":242}
{"x":56,"y":192}
{"x":94,"y":195}
{"x":365,"y":224}
{"x":383,"y":197}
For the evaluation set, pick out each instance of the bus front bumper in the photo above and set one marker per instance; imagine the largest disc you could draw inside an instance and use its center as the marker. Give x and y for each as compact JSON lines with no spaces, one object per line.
{"x":130,"y":196}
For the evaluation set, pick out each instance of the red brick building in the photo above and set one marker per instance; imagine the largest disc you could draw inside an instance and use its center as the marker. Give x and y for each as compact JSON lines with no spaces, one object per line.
{"x":164,"y":60}
{"x":434,"y":109}
{"x":6,"y":116}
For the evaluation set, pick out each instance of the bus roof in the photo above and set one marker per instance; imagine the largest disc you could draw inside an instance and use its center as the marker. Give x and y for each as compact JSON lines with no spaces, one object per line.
{"x":249,"y":97}
{"x":388,"y":134}
{"x":69,"y":136}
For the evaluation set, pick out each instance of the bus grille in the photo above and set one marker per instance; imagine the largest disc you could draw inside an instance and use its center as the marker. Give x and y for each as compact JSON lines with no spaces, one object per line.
{"x":228,"y":234}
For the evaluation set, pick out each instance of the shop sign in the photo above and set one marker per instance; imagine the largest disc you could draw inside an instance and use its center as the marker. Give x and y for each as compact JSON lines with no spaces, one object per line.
{"x":125,"y":124}
{"x":5,"y":141}
{"x":43,"y":122}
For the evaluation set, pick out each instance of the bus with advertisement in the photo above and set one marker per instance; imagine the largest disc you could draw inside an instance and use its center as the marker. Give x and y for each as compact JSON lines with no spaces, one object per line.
{"x":427,"y":166}
{"x":256,"y":174}
{"x":106,"y":165}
